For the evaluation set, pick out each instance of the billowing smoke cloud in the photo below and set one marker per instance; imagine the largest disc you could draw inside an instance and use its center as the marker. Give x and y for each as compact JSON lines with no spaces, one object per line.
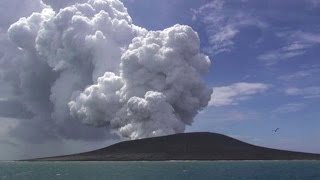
{"x":58,"y":4}
{"x":158,"y":90}
{"x":89,"y":63}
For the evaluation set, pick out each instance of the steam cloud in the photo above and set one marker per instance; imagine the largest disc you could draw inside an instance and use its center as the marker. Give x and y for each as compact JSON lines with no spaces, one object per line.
{"x":89,"y":62}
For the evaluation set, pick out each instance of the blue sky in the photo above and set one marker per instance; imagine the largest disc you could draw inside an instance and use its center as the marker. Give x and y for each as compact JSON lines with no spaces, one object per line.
{"x":265,"y":65}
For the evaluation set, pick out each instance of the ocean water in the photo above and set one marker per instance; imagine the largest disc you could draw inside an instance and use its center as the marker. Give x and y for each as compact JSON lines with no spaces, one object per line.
{"x":195,"y":170}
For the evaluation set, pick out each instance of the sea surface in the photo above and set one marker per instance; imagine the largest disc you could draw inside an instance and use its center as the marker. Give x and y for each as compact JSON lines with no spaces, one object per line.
{"x":195,"y":170}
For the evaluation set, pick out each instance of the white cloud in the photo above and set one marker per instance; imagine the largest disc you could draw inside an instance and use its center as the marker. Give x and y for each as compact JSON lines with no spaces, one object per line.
{"x":290,"y":51}
{"x":313,"y":38}
{"x":306,"y":92}
{"x":297,"y":44}
{"x":305,"y":72}
{"x":223,"y":23}
{"x":289,"y":108}
{"x":296,"y":75}
{"x":306,"y":37}
{"x":232,"y":94}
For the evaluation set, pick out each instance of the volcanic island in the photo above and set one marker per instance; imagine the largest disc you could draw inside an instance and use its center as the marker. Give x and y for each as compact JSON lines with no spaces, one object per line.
{"x":184,"y":146}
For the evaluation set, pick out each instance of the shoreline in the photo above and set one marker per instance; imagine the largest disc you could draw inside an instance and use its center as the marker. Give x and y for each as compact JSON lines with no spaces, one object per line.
{"x":166,"y":161}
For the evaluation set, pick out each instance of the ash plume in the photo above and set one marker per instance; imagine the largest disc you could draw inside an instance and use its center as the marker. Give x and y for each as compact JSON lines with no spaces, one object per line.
{"x":78,"y":61}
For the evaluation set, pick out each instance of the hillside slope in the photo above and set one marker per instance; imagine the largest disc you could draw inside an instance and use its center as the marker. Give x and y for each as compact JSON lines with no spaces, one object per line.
{"x":186,"y":146}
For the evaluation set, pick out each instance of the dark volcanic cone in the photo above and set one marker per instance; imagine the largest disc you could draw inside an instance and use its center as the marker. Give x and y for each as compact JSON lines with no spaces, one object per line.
{"x":186,"y":146}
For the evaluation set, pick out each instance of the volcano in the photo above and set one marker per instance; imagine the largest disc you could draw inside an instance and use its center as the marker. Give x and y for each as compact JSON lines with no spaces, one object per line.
{"x":185,"y":146}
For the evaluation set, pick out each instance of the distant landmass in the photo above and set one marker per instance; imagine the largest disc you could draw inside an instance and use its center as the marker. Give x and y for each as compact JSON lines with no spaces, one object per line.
{"x":185,"y":146}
